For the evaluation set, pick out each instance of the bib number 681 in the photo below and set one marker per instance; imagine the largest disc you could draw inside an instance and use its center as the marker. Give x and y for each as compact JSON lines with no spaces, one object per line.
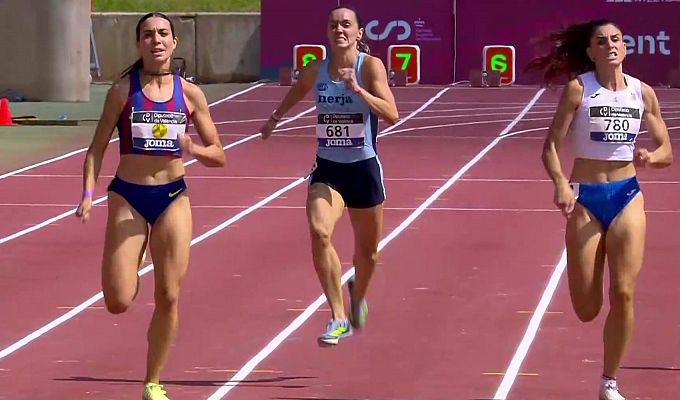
{"x":337,"y":131}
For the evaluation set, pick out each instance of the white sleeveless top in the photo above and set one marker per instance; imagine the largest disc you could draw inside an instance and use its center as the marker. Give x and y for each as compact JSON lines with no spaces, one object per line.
{"x":607,"y":123}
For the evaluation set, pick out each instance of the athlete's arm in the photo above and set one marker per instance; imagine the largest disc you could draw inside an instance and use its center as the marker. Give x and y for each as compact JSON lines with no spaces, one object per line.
{"x":566,"y":109}
{"x":662,"y":156}
{"x":296,"y":93}
{"x":378,"y":96}
{"x":210,"y":153}
{"x":113,"y":106}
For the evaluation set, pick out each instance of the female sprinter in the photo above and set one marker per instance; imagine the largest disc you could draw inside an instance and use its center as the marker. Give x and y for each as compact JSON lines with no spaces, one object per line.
{"x":151,"y":108}
{"x":351,"y":92}
{"x":601,"y":108}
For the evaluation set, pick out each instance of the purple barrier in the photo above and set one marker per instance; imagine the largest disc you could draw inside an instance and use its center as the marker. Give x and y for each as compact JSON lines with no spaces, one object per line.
{"x":651,"y":30}
{"x":427,"y":24}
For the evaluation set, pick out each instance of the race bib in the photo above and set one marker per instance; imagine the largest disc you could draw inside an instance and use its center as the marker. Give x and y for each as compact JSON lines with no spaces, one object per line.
{"x":157,"y":130}
{"x":340,"y":130}
{"x":614,"y":124}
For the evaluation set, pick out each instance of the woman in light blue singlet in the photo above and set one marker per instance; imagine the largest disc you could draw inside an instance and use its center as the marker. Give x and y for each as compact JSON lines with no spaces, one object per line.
{"x":351,"y":92}
{"x":601,"y":109}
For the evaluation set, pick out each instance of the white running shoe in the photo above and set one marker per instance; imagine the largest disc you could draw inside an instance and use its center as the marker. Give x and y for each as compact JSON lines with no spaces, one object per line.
{"x":610,"y":391}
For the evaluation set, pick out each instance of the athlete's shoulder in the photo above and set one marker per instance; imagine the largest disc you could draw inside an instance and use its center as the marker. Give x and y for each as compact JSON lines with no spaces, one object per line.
{"x":572,"y":95}
{"x":312,"y":68}
{"x":574,"y":88}
{"x":372,"y":61}
{"x":648,"y":95}
{"x":314,"y":64}
{"x":121,"y":85}
{"x":370,"y":58}
{"x":309,"y":74}
{"x":190,"y":89}
{"x":119,"y":91}
{"x":193,"y":95}
{"x":574,"y":84}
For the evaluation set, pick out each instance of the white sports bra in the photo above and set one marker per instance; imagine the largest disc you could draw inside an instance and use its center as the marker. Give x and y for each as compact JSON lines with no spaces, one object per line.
{"x":607,"y":123}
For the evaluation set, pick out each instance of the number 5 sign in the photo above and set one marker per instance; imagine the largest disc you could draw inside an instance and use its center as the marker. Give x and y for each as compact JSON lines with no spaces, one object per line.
{"x":405,"y":57}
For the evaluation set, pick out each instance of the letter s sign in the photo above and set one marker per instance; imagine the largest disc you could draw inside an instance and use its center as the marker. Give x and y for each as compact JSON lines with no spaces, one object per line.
{"x":405,"y":27}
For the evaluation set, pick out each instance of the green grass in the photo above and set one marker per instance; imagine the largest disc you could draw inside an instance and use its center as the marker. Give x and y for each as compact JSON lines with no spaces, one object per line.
{"x":175,"y":5}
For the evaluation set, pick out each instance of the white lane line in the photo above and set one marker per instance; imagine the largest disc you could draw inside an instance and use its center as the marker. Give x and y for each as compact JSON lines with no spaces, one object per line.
{"x":392,"y":128}
{"x":532,"y":328}
{"x":220,"y":101}
{"x":464,"y":124}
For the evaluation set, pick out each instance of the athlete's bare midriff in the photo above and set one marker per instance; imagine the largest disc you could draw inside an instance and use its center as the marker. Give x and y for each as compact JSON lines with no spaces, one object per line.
{"x":589,"y":170}
{"x":149,"y":170}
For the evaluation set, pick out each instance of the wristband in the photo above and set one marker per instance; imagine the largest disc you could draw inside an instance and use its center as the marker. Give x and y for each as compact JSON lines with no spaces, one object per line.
{"x":87,"y":193}
{"x":274,"y":117}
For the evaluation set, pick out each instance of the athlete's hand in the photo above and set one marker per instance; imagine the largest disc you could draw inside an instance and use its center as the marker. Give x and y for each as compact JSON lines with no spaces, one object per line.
{"x":83,"y":210}
{"x":268,"y":128}
{"x":642,"y":157}
{"x":564,"y":198}
{"x":186,"y":144}
{"x":349,"y":76}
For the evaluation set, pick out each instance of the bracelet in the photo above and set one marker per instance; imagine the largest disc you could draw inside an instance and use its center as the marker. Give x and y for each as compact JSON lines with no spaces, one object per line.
{"x":88,"y":193}
{"x":274,"y":117}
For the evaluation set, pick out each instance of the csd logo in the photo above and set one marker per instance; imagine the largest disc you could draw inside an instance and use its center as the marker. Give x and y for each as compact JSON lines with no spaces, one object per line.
{"x":402,"y":26}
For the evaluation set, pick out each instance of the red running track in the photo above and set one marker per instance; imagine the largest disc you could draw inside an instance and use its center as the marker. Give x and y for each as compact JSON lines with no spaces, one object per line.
{"x":449,"y":304}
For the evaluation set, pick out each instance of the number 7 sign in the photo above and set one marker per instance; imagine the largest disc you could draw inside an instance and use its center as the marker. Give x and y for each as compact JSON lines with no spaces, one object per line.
{"x":405,"y":57}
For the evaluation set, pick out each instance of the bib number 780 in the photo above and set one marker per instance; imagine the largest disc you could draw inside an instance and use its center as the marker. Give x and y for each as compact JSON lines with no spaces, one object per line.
{"x":337,"y":131}
{"x":617,"y":125}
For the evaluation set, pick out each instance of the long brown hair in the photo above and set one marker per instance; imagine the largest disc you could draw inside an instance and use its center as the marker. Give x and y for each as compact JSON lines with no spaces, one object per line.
{"x":362,"y":46}
{"x":567,"y":55}
{"x":139,"y":64}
